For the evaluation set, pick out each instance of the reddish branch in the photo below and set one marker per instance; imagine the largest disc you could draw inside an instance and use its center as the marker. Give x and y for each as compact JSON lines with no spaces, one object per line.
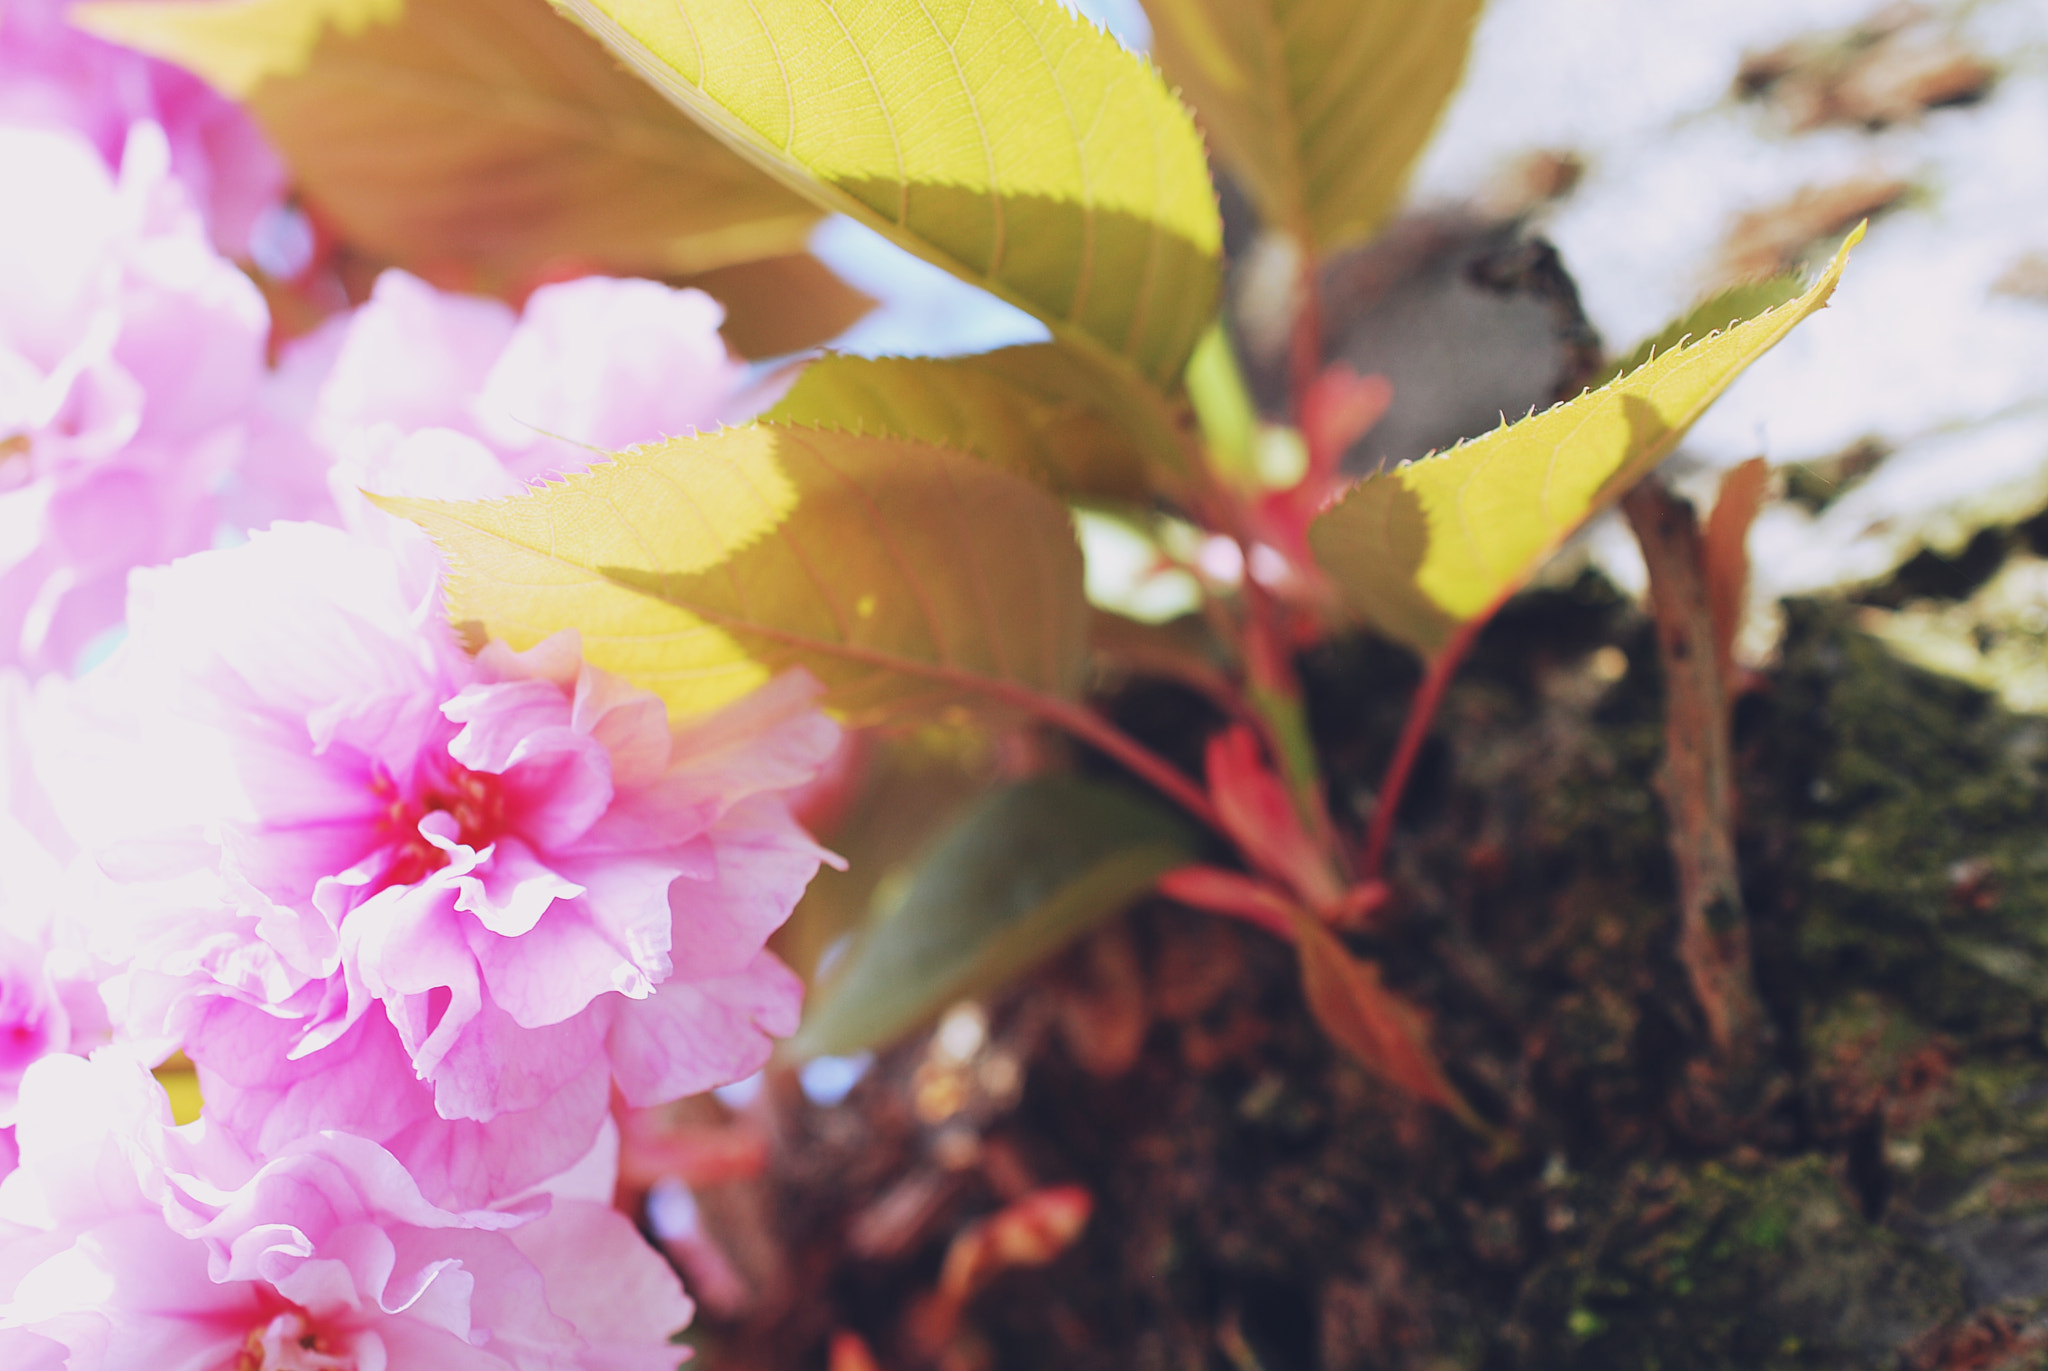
{"x":1106,"y":738}
{"x":1305,"y":344}
{"x":1699,"y":772}
{"x":1429,"y":697}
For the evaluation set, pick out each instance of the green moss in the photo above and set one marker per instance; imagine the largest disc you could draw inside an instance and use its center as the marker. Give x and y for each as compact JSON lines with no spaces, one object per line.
{"x":1710,"y":1267}
{"x":1926,"y":831}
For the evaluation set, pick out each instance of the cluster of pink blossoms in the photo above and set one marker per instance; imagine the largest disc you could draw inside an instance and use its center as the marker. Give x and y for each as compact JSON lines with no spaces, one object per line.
{"x":421,"y":918}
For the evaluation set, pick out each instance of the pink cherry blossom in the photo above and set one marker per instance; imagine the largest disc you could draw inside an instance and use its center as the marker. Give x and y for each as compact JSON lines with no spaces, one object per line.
{"x":449,"y":396}
{"x":54,"y":75}
{"x":127,"y":1243}
{"x":133,"y":386}
{"x":49,"y":981}
{"x":446,"y":902}
{"x":591,"y":365}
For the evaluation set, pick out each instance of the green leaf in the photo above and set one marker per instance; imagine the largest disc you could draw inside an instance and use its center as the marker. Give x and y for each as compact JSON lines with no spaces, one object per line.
{"x":1011,"y":143}
{"x":1435,"y":544}
{"x":478,"y":141}
{"x":1729,"y":307}
{"x":1022,"y":408}
{"x":1223,"y":406}
{"x":909,"y":787}
{"x":1317,"y":107}
{"x":905,"y":577}
{"x":1026,"y":870}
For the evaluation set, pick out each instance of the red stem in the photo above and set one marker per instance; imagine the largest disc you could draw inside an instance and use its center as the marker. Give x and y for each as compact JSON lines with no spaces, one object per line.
{"x":1429,"y":696}
{"x":1082,"y":722}
{"x":1306,"y":353}
{"x":1271,"y":669}
{"x":1105,"y":737}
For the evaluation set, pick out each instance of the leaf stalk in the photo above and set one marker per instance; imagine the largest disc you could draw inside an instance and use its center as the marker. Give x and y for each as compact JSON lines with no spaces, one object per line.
{"x":1422,"y":712}
{"x":1106,"y":738}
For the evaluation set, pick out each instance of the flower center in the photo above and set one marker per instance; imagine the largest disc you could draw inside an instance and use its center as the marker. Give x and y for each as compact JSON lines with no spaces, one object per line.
{"x":288,"y":1343}
{"x":31,"y":1021}
{"x":474,"y":799}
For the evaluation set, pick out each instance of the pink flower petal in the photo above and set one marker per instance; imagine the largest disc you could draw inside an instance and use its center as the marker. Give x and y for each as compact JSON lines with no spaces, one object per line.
{"x":497,"y":1065}
{"x":412,"y":356}
{"x":693,"y":1035}
{"x":557,"y":969}
{"x":509,"y":893}
{"x":624,"y":1301}
{"x":765,"y":860}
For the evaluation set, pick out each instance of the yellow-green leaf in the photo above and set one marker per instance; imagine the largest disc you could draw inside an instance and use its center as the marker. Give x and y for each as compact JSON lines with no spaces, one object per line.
{"x":1317,"y":107}
{"x":1434,"y":544}
{"x":1730,"y":306}
{"x":1008,"y":141}
{"x":1022,"y":873}
{"x":475,"y":140}
{"x":904,"y":576}
{"x":1022,"y":408}
{"x":1223,"y":405}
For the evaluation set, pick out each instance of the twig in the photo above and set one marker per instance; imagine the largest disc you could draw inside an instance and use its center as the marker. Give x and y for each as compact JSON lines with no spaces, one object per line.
{"x":1699,"y":773}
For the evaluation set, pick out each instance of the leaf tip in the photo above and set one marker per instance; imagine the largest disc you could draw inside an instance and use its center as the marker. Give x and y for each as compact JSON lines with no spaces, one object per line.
{"x":403,"y":506}
{"x":1833,"y":273}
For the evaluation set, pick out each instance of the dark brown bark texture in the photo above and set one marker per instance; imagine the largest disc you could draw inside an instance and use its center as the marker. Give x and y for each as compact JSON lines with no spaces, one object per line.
{"x":1262,"y":1203}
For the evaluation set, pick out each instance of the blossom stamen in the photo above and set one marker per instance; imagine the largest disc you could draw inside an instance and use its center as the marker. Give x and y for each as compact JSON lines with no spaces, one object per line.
{"x":287,"y":1343}
{"x":474,"y":799}
{"x":476,"y":803}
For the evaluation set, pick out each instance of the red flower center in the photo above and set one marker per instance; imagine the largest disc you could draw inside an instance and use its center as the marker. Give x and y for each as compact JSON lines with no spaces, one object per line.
{"x":288,"y":1342}
{"x":474,"y":799}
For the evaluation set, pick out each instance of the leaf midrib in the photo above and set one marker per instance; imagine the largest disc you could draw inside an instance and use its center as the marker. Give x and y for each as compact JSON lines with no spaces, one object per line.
{"x":751,"y":144}
{"x":1280,"y":81}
